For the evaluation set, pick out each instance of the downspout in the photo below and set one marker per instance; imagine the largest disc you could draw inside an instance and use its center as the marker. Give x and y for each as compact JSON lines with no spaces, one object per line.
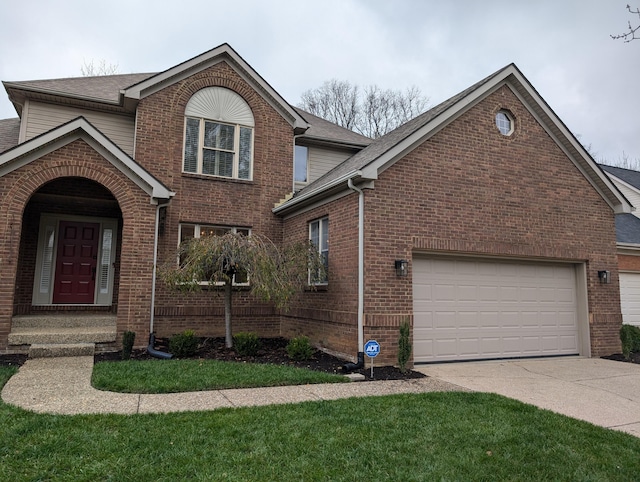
{"x":349,"y":367}
{"x":152,"y":336}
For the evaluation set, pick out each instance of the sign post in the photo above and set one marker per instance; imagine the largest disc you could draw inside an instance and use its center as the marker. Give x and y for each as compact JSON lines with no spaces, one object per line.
{"x":372,"y":350}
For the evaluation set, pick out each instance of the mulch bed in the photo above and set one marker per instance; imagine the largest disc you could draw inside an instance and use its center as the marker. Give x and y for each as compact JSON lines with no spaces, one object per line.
{"x":273,"y":350}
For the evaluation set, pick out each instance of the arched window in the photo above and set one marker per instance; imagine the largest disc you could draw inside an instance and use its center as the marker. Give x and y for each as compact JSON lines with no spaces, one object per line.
{"x":218,"y":139}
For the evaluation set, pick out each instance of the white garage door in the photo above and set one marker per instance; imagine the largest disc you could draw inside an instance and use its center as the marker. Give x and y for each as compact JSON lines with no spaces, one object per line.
{"x":630,"y":298}
{"x":467,"y":309}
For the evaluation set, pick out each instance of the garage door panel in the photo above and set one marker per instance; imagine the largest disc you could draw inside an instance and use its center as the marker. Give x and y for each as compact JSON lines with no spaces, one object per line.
{"x":630,"y":298}
{"x":485,"y":309}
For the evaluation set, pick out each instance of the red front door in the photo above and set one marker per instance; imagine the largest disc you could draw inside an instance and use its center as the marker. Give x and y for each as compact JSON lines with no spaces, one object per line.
{"x":76,"y":262}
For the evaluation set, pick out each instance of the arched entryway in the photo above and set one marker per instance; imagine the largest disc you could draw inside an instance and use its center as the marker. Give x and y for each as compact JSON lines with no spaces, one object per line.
{"x":69,"y":248}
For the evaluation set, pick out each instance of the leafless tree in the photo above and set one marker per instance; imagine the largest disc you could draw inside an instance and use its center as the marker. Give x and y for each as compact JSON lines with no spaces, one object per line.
{"x":625,"y":161}
{"x":371,"y":111}
{"x":630,"y":35}
{"x":90,"y":69}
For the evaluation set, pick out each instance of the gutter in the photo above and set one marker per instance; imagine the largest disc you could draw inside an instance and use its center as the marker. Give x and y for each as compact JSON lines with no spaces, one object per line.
{"x":349,"y":367}
{"x":306,"y":196}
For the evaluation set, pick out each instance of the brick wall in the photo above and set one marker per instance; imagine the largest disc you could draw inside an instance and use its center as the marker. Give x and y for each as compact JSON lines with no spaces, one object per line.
{"x":628,"y":262}
{"x":467,"y":190}
{"x":329,"y":315}
{"x":214,"y":201}
{"x":77,"y":160}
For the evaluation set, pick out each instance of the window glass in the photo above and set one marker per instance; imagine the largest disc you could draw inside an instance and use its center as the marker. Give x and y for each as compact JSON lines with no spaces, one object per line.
{"x":244,"y":162}
{"x":191,"y":145}
{"x":319,"y":237}
{"x":218,"y":136}
{"x":217,"y":163}
{"x":190,"y":231}
{"x":301,"y":154}
{"x":504,"y":123}
{"x":217,"y":149}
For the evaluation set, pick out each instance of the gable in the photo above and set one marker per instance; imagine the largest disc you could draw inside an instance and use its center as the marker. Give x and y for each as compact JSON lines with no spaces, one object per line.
{"x":80,"y":128}
{"x":223,"y":53}
{"x":369,"y":163}
{"x":469,"y":178}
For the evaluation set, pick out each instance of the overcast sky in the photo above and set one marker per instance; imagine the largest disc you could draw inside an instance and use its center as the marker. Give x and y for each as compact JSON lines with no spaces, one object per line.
{"x":562,"y":46}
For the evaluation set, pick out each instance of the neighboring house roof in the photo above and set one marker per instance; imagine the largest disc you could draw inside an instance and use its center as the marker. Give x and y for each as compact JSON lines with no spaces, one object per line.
{"x":9,"y":133}
{"x":80,"y":128}
{"x":367,"y":164}
{"x":627,"y":229}
{"x":321,"y":131}
{"x":629,"y":176}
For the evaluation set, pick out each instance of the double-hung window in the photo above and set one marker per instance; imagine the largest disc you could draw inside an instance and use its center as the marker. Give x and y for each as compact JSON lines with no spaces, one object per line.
{"x":319,"y":237}
{"x":190,"y":231}
{"x":216,"y":147}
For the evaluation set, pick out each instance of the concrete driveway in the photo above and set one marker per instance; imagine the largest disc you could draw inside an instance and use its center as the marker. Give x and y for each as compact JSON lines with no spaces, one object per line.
{"x":603,"y":392}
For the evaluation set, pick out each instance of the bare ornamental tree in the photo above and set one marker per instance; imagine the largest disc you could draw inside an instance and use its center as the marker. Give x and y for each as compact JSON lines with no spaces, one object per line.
{"x":630,"y":35}
{"x":272,"y":274}
{"x":90,"y":69}
{"x":370,"y":111}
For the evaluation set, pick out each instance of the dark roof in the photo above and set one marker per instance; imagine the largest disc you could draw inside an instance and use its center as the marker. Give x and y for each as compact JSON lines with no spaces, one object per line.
{"x":627,"y":175}
{"x":321,"y":129}
{"x":9,"y":133}
{"x":102,"y":88}
{"x":383,"y":144}
{"x":627,"y":229}
{"x":106,"y":88}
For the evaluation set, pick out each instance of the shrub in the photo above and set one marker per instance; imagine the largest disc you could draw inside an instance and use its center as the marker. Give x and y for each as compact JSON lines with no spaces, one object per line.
{"x":246,"y":343}
{"x":630,"y":338}
{"x":404,"y":346}
{"x":184,"y":345}
{"x":128,"y":337}
{"x":300,"y":349}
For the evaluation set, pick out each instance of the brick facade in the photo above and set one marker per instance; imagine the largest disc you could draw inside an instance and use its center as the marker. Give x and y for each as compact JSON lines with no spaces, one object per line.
{"x":214,"y":201}
{"x":74,"y":164}
{"x":627,"y":262}
{"x":468,"y":190}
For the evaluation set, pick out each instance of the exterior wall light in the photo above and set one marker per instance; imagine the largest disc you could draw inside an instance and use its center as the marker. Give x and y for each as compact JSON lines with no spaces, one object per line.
{"x":402,"y":267}
{"x":605,"y":277}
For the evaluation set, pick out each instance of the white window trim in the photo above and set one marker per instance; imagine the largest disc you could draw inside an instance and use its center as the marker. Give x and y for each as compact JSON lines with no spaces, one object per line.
{"x":319,"y":222}
{"x":196,"y":234}
{"x":509,"y":117}
{"x":43,"y":290}
{"x":236,"y":148}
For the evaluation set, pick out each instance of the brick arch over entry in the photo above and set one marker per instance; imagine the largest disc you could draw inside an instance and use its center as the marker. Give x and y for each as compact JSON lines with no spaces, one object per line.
{"x":77,"y":159}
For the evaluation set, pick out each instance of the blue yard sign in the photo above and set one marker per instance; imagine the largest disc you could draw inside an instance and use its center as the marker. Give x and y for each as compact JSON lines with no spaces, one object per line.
{"x":372,"y":348}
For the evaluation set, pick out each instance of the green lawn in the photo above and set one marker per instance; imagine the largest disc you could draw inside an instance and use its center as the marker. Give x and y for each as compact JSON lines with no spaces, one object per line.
{"x":436,"y":436}
{"x":167,"y":376}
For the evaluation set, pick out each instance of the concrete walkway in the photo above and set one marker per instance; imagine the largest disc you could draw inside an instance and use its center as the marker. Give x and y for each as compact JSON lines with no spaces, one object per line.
{"x":63,"y":386}
{"x":603,"y":392}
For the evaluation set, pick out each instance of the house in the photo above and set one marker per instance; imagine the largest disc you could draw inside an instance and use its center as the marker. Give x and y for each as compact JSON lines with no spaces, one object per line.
{"x":483,"y":222}
{"x":628,"y":241}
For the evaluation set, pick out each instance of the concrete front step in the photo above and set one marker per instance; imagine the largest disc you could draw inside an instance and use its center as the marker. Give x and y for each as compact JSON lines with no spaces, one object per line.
{"x":30,"y":336}
{"x":74,"y":320}
{"x":38,"y":350}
